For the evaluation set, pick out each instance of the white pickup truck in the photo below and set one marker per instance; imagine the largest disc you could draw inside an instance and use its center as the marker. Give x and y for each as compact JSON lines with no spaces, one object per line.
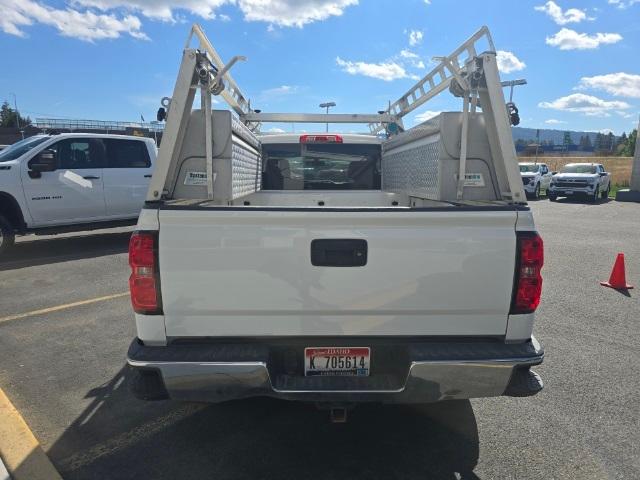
{"x":334,"y":268}
{"x":72,"y":181}
{"x":535,"y":178}
{"x":586,"y":180}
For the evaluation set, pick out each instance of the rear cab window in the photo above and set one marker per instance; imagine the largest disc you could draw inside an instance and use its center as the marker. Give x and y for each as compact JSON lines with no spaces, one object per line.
{"x":78,"y":153}
{"x":126,"y":153}
{"x":321,"y":166}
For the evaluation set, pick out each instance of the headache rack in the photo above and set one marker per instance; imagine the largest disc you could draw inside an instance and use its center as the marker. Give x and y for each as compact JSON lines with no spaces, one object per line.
{"x":235,"y":168}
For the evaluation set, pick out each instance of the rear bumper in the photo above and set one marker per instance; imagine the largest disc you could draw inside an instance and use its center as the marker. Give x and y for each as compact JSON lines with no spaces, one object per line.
{"x":422,"y":372}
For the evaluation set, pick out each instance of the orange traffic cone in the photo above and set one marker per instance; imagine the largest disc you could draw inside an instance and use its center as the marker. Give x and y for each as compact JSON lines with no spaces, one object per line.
{"x":617,"y":279}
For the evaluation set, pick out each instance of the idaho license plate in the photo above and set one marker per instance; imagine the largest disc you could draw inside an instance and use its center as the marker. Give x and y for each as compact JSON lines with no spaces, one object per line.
{"x":337,"y":361}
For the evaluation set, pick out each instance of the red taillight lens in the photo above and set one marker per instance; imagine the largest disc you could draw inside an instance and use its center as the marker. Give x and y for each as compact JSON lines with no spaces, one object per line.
{"x":320,"y":139}
{"x":528,"y":280}
{"x":143,"y":283}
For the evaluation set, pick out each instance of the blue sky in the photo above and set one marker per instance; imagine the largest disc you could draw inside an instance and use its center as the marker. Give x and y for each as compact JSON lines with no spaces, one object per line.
{"x":114,"y":60}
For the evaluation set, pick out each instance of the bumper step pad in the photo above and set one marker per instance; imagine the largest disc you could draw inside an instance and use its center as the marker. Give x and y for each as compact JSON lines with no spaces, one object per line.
{"x":524,"y":383}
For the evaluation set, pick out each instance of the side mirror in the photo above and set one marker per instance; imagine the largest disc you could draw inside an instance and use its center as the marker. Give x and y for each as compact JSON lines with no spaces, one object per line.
{"x":45,"y":161}
{"x":602,"y":174}
{"x":554,"y":173}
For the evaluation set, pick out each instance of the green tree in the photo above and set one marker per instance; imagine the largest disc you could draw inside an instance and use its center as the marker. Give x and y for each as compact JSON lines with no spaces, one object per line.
{"x":598,"y":143}
{"x":9,"y":117}
{"x":621,"y":143}
{"x":611,"y":142}
{"x":630,"y":145}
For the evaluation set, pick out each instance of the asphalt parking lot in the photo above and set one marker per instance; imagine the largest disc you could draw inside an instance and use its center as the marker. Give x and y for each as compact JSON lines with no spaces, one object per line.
{"x":63,"y":370}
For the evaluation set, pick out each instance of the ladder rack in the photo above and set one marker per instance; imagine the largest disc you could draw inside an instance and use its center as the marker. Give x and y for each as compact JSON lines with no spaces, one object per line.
{"x":438,"y":79}
{"x":465,"y":72}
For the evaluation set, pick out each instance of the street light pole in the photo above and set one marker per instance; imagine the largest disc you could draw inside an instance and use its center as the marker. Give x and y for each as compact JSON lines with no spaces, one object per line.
{"x":15,"y":104}
{"x":327,"y":105}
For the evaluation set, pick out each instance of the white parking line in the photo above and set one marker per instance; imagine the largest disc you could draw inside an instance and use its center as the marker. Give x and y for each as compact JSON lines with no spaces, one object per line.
{"x":4,"y":475}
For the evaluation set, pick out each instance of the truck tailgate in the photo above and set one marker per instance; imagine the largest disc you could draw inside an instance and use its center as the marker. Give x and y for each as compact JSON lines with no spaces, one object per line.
{"x":248,"y":272}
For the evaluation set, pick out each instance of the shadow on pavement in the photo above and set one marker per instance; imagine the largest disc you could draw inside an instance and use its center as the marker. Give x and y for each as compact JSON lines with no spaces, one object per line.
{"x":584,"y":201}
{"x":61,"y":249}
{"x":118,"y":436}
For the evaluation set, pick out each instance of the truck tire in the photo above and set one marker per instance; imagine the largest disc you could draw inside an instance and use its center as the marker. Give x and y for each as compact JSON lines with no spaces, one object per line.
{"x":604,"y":195}
{"x":7,"y":235}
{"x":596,"y":193}
{"x":536,"y":192}
{"x":552,"y":197}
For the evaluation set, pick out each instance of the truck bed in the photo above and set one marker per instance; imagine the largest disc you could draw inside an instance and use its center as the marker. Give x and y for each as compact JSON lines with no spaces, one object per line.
{"x":247,"y":271}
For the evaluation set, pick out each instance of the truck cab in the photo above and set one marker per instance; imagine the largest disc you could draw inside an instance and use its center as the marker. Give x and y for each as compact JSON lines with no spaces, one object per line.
{"x":65,"y":182}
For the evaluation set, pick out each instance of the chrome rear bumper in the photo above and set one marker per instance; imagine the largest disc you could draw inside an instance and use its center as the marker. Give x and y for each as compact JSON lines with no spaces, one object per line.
{"x":439,"y":372}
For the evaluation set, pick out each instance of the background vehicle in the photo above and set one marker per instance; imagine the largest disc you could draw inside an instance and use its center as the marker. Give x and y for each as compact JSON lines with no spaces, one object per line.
{"x":72,"y":181}
{"x":535,"y":178}
{"x":587,"y":180}
{"x":331,"y":267}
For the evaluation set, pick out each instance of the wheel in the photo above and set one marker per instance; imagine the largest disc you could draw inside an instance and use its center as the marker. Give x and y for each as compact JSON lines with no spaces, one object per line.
{"x":536,"y":192}
{"x":7,"y":235}
{"x":552,"y":197}
{"x":604,"y":195}
{"x":596,"y":194}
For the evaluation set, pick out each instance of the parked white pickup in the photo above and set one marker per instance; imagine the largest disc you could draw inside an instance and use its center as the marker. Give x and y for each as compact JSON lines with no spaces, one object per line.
{"x":72,"y":181}
{"x":333,"y":267}
{"x":586,"y":180}
{"x":535,"y":178}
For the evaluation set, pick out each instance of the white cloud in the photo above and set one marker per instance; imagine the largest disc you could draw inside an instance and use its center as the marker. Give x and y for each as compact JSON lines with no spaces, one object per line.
{"x":386,"y":71}
{"x":426,"y":115}
{"x":508,"y":62}
{"x":84,"y":25}
{"x":623,"y":4}
{"x":587,"y":104}
{"x":292,"y":13}
{"x":571,"y":15}
{"x":415,"y":37}
{"x":224,"y":18}
{"x":553,"y":121}
{"x":567,"y":39}
{"x":408,"y":54}
{"x":412,"y":58}
{"x":278,"y":93}
{"x":95,"y":19}
{"x":275,"y":130}
{"x":158,"y":9}
{"x":619,"y":84}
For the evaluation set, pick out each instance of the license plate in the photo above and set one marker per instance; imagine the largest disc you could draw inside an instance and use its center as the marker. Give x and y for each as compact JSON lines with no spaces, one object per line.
{"x":569,"y":192}
{"x":337,"y":361}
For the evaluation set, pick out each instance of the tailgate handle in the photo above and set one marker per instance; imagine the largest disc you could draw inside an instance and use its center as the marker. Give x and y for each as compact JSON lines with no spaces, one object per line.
{"x":339,"y":253}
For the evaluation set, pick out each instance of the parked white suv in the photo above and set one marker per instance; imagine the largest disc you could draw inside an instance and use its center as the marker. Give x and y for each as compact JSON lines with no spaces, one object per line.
{"x":535,"y":178}
{"x":72,"y":181}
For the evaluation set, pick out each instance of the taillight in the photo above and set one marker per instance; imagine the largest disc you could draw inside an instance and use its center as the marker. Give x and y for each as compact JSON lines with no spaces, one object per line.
{"x":320,"y":138}
{"x":528,"y":280}
{"x":143,"y":282}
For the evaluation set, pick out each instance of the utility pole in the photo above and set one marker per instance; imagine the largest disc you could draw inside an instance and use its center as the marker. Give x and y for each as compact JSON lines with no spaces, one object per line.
{"x":15,"y":104}
{"x":327,"y":105}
